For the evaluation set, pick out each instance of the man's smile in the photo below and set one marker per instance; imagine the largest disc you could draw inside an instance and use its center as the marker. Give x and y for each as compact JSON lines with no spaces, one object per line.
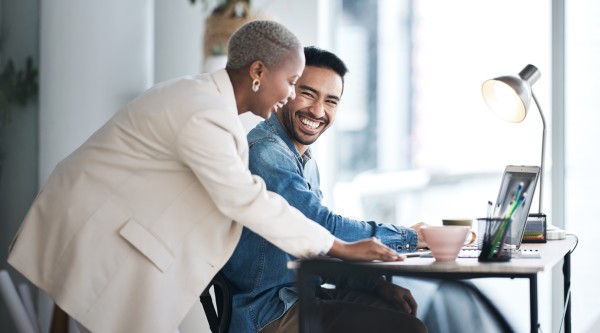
{"x":309,"y":125}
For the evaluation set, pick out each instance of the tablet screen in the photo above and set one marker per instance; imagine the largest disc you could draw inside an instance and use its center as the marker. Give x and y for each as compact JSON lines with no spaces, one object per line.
{"x":514,"y":199}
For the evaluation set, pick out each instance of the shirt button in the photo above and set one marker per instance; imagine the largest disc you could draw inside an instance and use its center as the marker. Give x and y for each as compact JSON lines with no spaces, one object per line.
{"x":407,"y":246}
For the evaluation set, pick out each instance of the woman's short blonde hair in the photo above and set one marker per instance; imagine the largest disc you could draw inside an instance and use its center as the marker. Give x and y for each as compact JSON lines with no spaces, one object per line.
{"x":262,"y":40}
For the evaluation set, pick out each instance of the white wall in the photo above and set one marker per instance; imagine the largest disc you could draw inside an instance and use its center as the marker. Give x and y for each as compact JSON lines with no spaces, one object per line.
{"x":178,"y":30}
{"x":95,"y":56}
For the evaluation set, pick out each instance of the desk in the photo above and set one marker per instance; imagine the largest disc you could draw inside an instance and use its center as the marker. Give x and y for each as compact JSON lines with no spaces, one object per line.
{"x":463,"y":268}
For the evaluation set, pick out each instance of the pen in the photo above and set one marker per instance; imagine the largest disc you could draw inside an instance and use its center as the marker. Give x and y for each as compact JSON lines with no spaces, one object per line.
{"x":415,"y":254}
{"x":517,"y":205}
{"x":497,"y":209}
{"x":519,"y":190}
{"x":502,"y":233}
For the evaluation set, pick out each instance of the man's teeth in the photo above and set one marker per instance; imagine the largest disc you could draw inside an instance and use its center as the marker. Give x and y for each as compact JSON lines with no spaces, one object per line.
{"x":311,"y":124}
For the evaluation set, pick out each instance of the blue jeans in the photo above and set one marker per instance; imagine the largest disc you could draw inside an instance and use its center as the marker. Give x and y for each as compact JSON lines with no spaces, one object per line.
{"x":341,"y":310}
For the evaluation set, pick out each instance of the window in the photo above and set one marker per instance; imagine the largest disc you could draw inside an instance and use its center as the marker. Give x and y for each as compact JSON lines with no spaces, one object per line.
{"x":582,"y":158}
{"x":413,"y":109}
{"x":413,"y":139}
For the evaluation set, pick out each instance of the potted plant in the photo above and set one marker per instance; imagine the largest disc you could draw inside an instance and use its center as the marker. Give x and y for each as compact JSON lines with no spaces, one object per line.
{"x":17,"y":87}
{"x":219,"y":5}
{"x":226,"y":16}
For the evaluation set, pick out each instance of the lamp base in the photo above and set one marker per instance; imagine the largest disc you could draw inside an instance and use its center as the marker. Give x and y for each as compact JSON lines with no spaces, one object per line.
{"x":554,"y":233}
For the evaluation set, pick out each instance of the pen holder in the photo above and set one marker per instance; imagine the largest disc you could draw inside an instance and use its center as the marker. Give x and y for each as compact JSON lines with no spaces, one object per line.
{"x":493,"y":233}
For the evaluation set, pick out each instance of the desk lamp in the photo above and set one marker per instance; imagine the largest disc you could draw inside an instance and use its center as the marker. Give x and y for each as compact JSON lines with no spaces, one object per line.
{"x":509,"y":96}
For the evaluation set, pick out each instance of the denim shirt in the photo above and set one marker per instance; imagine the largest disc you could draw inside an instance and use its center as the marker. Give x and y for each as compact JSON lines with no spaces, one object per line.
{"x":263,"y":287}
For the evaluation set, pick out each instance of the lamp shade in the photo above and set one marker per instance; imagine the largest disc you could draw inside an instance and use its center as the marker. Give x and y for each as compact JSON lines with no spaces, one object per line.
{"x":509,"y":96}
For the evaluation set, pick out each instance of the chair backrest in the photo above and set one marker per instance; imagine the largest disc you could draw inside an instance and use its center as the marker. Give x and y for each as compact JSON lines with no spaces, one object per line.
{"x":218,"y":319}
{"x":20,"y":306}
{"x":458,"y":306}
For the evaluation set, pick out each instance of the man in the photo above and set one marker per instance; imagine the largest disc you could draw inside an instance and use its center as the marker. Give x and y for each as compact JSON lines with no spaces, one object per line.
{"x":264,"y":294}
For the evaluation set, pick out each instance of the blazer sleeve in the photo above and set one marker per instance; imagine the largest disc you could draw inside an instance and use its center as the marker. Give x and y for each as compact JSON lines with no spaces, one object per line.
{"x":209,"y":147}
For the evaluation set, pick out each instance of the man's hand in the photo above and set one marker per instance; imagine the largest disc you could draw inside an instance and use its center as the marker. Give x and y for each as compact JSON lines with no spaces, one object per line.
{"x":417,"y":227}
{"x":398,"y":296}
{"x":363,"y":250}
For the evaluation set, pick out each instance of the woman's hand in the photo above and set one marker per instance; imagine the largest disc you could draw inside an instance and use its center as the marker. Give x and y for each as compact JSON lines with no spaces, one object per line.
{"x":363,"y":250}
{"x":397,"y":295}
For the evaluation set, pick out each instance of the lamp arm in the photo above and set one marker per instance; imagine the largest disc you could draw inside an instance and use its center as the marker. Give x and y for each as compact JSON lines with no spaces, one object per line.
{"x":543,"y":150}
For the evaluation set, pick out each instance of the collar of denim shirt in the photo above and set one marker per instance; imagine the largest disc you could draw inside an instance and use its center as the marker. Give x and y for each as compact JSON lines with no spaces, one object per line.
{"x":276,"y":127}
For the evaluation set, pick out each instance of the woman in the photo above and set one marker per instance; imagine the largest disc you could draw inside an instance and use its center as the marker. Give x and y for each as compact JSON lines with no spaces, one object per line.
{"x":129,"y":229}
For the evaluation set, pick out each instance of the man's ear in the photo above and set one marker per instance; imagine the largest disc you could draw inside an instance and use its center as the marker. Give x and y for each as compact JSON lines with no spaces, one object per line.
{"x":257,"y":69}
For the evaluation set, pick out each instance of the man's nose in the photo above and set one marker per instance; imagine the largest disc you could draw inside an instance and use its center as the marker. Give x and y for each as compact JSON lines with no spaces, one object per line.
{"x":317,"y":109}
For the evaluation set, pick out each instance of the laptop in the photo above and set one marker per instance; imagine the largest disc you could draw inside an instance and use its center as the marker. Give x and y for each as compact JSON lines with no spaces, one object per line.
{"x":515,"y":176}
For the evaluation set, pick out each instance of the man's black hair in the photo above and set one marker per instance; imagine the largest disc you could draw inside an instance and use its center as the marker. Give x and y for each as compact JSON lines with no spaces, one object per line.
{"x":324,"y":59}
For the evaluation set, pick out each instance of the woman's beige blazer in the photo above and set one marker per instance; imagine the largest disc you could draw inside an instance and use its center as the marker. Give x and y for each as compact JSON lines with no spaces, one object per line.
{"x":130,"y":228}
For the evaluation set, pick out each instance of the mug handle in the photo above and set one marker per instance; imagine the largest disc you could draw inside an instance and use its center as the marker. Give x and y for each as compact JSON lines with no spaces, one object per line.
{"x":472,"y":239}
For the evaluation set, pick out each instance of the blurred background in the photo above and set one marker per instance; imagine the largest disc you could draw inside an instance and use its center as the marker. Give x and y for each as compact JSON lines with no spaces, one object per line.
{"x":413,"y":139}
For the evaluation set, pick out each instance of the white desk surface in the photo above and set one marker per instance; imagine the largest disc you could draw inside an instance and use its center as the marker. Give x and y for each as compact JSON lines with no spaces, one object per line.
{"x":551,"y":252}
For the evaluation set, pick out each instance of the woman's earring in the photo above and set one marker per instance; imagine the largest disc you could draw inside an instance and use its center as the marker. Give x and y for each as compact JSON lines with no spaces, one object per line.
{"x":255,"y":85}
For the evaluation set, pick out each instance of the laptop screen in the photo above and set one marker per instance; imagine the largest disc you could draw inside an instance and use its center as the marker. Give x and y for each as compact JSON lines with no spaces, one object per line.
{"x":518,"y":186}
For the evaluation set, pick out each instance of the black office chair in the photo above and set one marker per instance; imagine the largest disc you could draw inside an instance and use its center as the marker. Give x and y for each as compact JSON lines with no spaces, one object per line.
{"x":458,"y":306}
{"x":218,"y":319}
